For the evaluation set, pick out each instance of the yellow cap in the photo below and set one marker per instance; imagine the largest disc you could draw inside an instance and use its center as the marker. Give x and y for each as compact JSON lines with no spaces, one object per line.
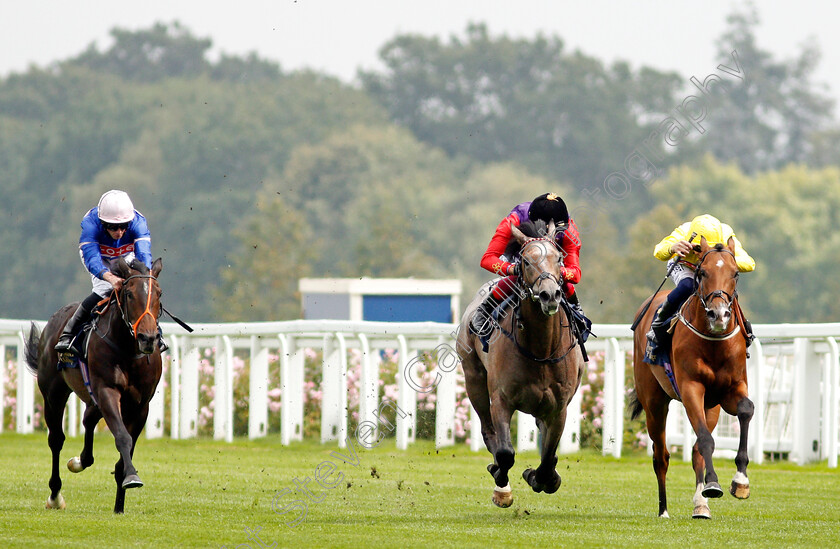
{"x":707,"y":226}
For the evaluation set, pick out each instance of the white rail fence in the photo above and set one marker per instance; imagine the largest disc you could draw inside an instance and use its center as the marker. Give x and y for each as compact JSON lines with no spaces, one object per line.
{"x":794,"y":377}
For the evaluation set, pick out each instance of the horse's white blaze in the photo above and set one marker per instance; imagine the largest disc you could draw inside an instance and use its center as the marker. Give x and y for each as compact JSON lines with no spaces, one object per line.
{"x":719,"y":263}
{"x":698,"y":498}
{"x":503,"y":490}
{"x":741,"y":478}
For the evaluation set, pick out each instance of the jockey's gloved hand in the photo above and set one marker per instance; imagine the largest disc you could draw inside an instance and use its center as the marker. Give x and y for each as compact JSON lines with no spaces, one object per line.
{"x":514,"y":270}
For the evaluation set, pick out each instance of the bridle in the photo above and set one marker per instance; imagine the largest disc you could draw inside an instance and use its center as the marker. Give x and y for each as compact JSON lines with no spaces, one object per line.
{"x":132,"y":328}
{"x":544,"y":275}
{"x":705,"y":300}
{"x":528,"y":290}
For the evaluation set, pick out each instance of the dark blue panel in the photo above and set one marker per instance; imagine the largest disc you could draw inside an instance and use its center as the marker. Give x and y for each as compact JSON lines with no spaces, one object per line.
{"x":407,"y":308}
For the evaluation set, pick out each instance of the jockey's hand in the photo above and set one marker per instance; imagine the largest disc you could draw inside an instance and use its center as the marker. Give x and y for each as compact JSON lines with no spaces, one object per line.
{"x":514,"y":270}
{"x":681,"y":248}
{"x":115,"y":281}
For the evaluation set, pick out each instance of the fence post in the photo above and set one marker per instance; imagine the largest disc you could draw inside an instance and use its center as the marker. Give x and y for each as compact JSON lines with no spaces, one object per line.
{"x":613,"y":415}
{"x":258,"y":389}
{"x":806,"y":402}
{"x":406,"y":398}
{"x":334,"y":391}
{"x":832,"y":385}
{"x":174,"y":389}
{"x":291,"y":387}
{"x":26,"y":391}
{"x":189,"y":390}
{"x":757,"y":392}
{"x":368,"y":385}
{"x":445,"y":398}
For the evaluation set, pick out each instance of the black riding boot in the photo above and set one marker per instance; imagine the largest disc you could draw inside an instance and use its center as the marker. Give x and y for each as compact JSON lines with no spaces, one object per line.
{"x":658,"y":328}
{"x":482,"y":323}
{"x":82,"y":315}
{"x":584,"y":325}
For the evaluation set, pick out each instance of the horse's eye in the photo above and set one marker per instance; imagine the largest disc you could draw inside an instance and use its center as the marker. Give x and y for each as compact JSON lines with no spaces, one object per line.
{"x":736,"y":276}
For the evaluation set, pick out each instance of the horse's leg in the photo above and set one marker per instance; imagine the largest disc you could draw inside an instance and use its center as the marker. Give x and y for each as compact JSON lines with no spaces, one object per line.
{"x":656,"y":417}
{"x":654,"y":401}
{"x":693,"y":395}
{"x":504,"y":454}
{"x":85,"y":459}
{"x":55,"y":399}
{"x":701,"y":503}
{"x":741,"y":406}
{"x":545,"y":478}
{"x":110,"y":405}
{"x":475,"y":381}
{"x":134,"y":427}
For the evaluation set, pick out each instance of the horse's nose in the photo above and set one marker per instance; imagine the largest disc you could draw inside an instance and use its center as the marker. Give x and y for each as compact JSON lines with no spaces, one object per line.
{"x":558,"y":294}
{"x":146,"y":342}
{"x":711,"y":315}
{"x":545,"y":296}
{"x":726,"y":315}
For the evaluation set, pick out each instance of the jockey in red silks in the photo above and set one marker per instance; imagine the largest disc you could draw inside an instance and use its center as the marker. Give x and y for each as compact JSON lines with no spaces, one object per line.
{"x":546,"y":207}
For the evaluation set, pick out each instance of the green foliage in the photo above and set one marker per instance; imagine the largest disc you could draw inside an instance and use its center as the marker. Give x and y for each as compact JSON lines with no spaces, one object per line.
{"x":251,"y":177}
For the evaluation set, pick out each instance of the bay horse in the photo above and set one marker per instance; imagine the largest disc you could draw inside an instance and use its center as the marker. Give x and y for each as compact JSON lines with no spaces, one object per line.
{"x":532,"y":363}
{"x":709,"y":360}
{"x":123,"y":370}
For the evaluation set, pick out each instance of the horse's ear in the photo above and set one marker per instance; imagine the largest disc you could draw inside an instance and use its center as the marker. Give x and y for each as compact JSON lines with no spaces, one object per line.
{"x":731,"y":244}
{"x":517,"y":234}
{"x":551,"y":230}
{"x":704,"y":244}
{"x":156,"y":267}
{"x":123,"y":268}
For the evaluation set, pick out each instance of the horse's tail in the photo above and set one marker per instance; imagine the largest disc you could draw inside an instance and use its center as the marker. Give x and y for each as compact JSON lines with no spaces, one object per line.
{"x":31,"y":348}
{"x":634,"y":405}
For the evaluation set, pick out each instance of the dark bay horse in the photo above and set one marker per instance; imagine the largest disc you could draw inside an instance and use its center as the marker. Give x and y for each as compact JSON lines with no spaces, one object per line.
{"x":124,"y":366}
{"x":709,"y":358}
{"x":532,"y":364}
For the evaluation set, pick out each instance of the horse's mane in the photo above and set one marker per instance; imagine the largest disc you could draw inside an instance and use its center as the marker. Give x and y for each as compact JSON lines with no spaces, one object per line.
{"x":135,"y":264}
{"x":531,"y":229}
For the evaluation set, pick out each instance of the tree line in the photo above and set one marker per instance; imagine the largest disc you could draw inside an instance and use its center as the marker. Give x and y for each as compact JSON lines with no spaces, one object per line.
{"x":252,"y":177}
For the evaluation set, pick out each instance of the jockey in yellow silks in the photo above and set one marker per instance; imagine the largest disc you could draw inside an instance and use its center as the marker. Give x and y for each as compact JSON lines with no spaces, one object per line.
{"x":675,"y":248}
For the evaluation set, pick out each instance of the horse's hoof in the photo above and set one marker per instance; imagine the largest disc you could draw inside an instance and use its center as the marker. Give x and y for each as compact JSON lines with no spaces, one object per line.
{"x":702,"y":512}
{"x":740,"y":491}
{"x":132,"y":481}
{"x":712,"y":490}
{"x":75,"y":465}
{"x":502,"y":497}
{"x":57,"y":503}
{"x":665,"y":514}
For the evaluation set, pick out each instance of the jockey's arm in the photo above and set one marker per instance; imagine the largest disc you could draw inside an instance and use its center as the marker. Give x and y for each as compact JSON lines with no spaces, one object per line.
{"x":492,"y":258}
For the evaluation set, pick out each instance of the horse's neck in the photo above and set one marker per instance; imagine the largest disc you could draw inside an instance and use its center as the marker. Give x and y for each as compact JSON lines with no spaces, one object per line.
{"x":541,"y":334}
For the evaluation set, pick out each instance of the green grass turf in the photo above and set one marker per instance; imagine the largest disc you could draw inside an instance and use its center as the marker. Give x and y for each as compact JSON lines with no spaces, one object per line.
{"x":204,"y":493}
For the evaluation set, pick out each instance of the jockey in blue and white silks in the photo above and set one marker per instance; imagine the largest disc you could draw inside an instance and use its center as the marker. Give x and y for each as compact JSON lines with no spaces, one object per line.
{"x":111,"y":230}
{"x":99,"y":250}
